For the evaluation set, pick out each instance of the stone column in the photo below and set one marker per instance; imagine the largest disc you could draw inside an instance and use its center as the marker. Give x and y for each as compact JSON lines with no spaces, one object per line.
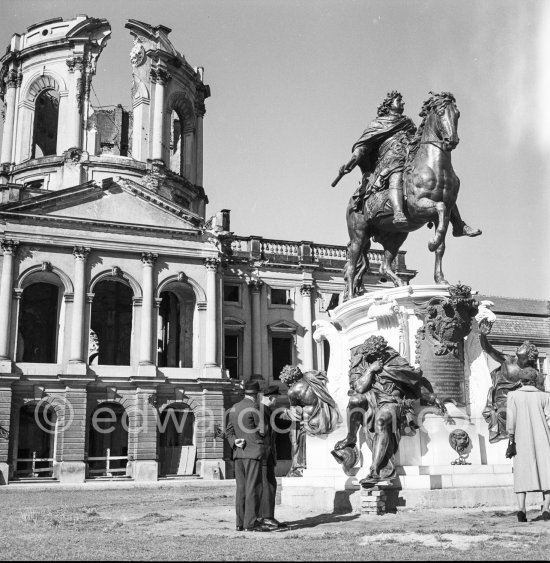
{"x":307,"y":320}
{"x":256,"y":290}
{"x":211,"y":311}
{"x":161,"y":77}
{"x":80,"y":254}
{"x":145,"y":451}
{"x":5,"y":421}
{"x":200,"y":111}
{"x":7,"y":138}
{"x":74,"y":129}
{"x":145,"y":352}
{"x":9,"y":248}
{"x":73,"y":436}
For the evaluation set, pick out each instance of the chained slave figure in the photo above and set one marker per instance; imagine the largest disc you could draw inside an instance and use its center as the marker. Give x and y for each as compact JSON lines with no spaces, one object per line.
{"x":383,"y":388}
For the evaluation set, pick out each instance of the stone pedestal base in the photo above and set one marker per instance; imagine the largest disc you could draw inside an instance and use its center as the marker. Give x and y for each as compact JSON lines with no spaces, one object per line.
{"x":6,"y":366}
{"x":436,"y":486}
{"x":72,"y":472}
{"x":145,"y":470}
{"x":373,"y":501}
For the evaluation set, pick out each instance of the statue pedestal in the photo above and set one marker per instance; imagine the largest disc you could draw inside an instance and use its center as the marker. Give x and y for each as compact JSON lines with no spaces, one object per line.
{"x":424,"y":457}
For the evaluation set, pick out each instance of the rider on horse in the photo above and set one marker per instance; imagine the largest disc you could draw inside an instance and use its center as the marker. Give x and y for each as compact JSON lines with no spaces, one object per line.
{"x":381,"y":153}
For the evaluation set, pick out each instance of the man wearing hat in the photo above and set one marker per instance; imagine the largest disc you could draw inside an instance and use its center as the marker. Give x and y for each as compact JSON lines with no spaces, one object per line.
{"x":269,"y":481}
{"x":245,"y":433}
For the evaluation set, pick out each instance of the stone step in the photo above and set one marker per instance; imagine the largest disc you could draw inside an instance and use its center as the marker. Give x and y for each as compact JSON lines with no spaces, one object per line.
{"x":451,"y":481}
{"x":453,"y":469}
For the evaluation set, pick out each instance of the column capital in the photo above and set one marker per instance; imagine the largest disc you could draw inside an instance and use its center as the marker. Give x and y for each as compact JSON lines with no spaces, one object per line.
{"x":75,"y":63}
{"x":12,"y":79}
{"x":9,"y":246}
{"x":255,"y":285}
{"x":200,"y":108}
{"x":81,"y":252}
{"x":148,"y":258}
{"x":212,"y":263}
{"x":160,"y":76}
{"x":306,"y":290}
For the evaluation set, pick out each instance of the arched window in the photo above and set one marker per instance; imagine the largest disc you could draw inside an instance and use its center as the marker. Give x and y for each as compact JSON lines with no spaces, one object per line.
{"x":177,"y":451}
{"x":46,"y":113}
{"x":112,"y":322}
{"x":35,"y":441}
{"x":182,"y":136}
{"x":176,"y":144}
{"x":38,"y":323}
{"x":108,"y":441}
{"x":175,"y":326}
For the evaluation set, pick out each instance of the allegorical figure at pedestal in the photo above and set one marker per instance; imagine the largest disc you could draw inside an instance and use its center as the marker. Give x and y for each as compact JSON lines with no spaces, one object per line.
{"x":505,"y":379}
{"x":383,"y":388}
{"x":312,"y":409}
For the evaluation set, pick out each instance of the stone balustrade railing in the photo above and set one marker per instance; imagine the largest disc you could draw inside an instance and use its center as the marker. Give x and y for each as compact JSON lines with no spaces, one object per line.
{"x":302,"y":252}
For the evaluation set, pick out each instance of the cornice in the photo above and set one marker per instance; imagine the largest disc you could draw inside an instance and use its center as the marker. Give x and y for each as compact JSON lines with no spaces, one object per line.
{"x":106,"y":226}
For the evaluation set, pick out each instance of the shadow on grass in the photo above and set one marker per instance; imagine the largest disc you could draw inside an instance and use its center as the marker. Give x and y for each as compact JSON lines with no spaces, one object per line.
{"x":320,"y":519}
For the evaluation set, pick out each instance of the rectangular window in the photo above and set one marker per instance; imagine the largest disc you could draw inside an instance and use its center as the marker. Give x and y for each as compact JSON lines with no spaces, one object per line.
{"x":232,"y":293}
{"x":281,"y":352}
{"x":280,"y":296}
{"x":232,"y":355}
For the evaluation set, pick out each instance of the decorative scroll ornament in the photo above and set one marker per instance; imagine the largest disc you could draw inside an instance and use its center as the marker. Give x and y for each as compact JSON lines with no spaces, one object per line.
{"x":137,"y":53}
{"x":447,"y":320}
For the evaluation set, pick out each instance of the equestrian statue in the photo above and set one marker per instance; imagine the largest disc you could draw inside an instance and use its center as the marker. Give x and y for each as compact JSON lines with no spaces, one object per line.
{"x":407,"y":181}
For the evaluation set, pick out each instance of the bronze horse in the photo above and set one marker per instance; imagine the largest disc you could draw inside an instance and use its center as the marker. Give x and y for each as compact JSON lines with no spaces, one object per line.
{"x":430,"y":188}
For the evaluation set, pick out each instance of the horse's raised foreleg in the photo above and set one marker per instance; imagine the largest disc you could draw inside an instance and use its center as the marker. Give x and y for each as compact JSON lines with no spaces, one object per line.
{"x":391,"y":242}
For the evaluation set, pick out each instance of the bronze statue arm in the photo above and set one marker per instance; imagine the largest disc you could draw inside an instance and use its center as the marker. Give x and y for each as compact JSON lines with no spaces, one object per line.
{"x":345,"y":169}
{"x":365,"y":381}
{"x":488,"y":349}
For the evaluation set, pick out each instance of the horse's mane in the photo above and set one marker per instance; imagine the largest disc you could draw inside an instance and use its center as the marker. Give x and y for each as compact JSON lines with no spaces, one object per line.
{"x":434,"y":103}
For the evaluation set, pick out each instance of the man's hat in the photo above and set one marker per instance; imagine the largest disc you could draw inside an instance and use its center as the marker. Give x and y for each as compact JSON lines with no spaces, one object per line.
{"x":252,"y":387}
{"x":272,"y":390}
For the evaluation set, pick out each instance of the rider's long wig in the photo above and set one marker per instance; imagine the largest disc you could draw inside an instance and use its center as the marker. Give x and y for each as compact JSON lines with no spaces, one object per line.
{"x":385,"y":107}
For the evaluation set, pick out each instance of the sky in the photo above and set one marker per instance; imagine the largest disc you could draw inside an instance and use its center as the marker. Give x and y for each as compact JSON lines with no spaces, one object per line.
{"x":295,"y":82}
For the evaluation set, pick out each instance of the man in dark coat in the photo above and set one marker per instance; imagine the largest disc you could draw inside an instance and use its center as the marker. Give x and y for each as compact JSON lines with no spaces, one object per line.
{"x":245,"y":431}
{"x":269,"y":481}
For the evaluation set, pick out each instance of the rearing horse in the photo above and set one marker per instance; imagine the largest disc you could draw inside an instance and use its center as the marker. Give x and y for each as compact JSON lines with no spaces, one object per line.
{"x":430,"y":188}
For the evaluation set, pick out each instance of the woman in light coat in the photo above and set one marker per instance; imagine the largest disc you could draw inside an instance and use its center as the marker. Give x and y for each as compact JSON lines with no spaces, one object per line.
{"x":528,"y":420}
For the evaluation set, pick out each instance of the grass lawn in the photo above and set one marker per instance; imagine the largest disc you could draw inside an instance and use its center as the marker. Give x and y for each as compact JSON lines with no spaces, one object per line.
{"x":187,"y":523}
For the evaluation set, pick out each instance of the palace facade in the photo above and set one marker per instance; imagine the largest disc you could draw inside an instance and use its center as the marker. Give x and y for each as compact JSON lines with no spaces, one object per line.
{"x":129,"y":317}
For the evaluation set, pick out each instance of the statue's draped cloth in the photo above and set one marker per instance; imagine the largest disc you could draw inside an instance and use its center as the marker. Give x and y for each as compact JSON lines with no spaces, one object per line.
{"x":494,"y":412}
{"x":381,"y":149}
{"x":397,"y":376}
{"x":325,"y":416}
